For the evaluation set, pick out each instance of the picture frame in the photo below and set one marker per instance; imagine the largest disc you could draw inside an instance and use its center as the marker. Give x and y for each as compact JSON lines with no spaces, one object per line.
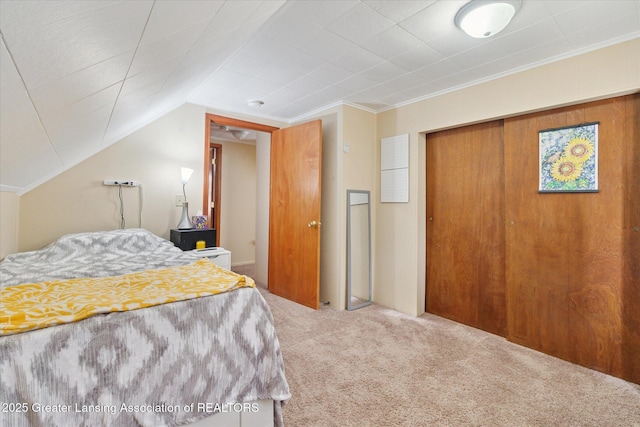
{"x":569,"y":159}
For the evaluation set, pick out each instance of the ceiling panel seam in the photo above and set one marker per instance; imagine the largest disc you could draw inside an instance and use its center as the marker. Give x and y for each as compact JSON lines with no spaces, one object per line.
{"x":126,"y":75}
{"x":26,"y":90}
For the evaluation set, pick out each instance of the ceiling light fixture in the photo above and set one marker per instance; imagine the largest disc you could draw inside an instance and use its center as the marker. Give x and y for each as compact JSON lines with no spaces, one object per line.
{"x":256,"y":103}
{"x":485,"y":18}
{"x":239,"y":134}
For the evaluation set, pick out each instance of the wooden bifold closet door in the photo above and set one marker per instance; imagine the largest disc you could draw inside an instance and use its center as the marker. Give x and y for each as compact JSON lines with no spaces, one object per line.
{"x":465,"y":226}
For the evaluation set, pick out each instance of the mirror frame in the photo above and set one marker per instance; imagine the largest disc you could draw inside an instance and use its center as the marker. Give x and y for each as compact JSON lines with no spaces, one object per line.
{"x":351,"y":306}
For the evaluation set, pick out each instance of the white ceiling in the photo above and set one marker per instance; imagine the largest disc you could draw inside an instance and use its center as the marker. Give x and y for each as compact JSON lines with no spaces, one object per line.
{"x":77,"y":76}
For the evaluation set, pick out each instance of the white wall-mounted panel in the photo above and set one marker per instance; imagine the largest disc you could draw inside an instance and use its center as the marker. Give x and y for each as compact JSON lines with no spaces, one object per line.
{"x":394,"y":186}
{"x":394,"y":165}
{"x":394,"y":152}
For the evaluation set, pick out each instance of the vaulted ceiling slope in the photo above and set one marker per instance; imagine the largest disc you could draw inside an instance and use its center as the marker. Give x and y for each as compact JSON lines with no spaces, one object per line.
{"x":77,"y":76}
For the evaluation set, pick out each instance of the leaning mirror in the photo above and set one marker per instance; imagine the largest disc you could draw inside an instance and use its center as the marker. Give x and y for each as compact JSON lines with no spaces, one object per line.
{"x":358,"y":249}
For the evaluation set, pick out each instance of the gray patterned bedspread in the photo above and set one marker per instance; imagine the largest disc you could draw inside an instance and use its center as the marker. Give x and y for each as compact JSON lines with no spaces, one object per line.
{"x":165,"y":365}
{"x":96,"y":254}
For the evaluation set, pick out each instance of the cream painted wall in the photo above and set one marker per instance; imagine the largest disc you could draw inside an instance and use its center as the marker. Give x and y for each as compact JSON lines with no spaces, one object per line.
{"x":238,"y":201}
{"x":9,"y":208}
{"x":400,"y":228}
{"x":358,"y":173}
{"x":77,"y":200}
{"x":331,"y":280}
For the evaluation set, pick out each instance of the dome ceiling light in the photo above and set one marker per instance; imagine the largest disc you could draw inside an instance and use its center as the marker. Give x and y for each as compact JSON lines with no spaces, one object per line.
{"x":485,"y":18}
{"x":239,"y":134}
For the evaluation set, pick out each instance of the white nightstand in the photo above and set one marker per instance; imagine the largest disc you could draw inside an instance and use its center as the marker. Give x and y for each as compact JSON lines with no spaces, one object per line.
{"x":220,"y":256}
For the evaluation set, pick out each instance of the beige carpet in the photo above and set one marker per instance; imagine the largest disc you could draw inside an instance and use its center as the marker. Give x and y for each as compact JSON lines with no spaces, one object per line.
{"x":377,"y":367}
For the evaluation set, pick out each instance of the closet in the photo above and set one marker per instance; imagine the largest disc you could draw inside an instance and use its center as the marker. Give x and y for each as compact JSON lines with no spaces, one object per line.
{"x":556,"y":272}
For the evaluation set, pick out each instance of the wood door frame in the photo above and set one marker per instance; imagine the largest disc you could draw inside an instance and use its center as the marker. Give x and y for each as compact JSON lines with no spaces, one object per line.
{"x":206,"y":195}
{"x":215,"y":221}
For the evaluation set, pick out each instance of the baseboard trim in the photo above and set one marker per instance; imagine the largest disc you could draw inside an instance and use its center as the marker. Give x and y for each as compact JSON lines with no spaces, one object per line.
{"x":240,"y":264}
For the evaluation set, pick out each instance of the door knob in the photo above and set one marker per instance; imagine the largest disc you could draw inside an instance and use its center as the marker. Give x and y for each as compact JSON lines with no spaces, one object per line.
{"x":314,"y":224}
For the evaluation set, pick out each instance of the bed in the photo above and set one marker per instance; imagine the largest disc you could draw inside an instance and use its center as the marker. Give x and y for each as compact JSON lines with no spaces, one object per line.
{"x":176,"y":362}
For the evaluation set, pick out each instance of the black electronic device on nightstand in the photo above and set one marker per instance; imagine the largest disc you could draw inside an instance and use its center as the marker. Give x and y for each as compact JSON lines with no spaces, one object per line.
{"x":186,"y":239}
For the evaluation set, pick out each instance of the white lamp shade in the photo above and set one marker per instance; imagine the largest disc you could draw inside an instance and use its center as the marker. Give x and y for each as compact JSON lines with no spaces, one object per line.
{"x":186,"y":174}
{"x":481,"y":18}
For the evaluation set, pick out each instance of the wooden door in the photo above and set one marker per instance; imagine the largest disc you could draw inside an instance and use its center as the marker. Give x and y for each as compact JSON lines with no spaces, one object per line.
{"x":465,"y":226}
{"x":572,"y":258}
{"x":294,"y":213}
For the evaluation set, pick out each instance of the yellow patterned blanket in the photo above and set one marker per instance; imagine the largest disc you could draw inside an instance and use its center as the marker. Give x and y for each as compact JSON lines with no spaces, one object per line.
{"x":37,"y":305}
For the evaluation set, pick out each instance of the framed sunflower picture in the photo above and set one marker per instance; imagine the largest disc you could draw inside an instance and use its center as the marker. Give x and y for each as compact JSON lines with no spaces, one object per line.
{"x":569,"y":159}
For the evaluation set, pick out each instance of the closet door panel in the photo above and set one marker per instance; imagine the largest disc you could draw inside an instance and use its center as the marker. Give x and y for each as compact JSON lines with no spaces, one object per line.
{"x":537,"y":305}
{"x":565,"y":252}
{"x":631,"y":243}
{"x":465,"y":226}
